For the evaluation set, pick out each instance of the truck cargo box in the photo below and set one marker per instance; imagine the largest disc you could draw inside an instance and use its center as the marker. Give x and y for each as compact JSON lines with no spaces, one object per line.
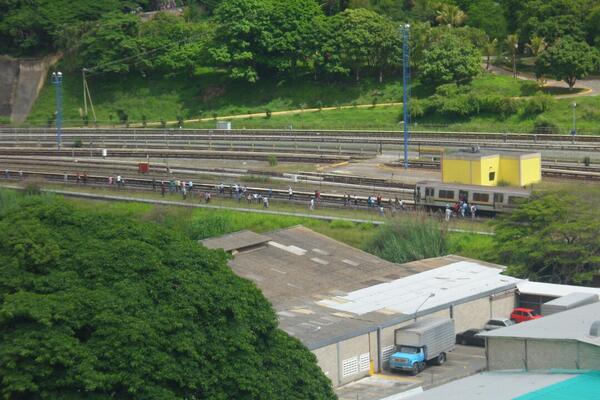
{"x":437,"y":335}
{"x":568,"y":302}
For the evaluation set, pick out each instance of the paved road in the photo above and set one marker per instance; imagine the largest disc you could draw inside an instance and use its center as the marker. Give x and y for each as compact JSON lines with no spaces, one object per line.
{"x":463,"y":361}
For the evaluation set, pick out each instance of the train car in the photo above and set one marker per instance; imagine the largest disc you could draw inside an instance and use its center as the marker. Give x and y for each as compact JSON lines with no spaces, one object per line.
{"x":487,"y":198}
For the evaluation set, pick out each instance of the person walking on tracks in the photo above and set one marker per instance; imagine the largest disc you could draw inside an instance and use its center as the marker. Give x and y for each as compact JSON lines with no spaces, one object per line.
{"x":162,"y":189}
{"x":290,"y":193}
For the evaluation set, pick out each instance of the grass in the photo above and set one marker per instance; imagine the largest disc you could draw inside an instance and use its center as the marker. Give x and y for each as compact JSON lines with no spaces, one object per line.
{"x":210,"y":92}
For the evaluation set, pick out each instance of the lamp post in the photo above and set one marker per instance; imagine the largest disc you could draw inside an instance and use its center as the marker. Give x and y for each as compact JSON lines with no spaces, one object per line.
{"x":574,"y":130}
{"x":57,"y":82}
{"x":406,"y":87}
{"x":424,"y":301}
{"x":515,"y":60}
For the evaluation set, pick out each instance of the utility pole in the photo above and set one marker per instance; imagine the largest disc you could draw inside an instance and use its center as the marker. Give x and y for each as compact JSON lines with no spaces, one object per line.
{"x":57,"y":81}
{"x":406,"y":87}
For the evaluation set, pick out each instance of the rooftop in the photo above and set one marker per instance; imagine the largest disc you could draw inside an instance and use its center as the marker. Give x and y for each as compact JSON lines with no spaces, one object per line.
{"x":236,"y":241}
{"x":325,"y":291}
{"x":571,"y":324}
{"x":468,"y":154}
{"x":553,"y":289}
{"x":517,"y":385}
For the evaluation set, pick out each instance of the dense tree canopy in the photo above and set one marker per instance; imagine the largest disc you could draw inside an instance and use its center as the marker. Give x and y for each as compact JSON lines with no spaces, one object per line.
{"x":567,"y":60}
{"x":553,"y":237}
{"x":96,"y":305}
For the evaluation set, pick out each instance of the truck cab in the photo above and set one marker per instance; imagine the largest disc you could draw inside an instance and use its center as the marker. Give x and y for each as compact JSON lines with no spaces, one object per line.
{"x":408,"y":358}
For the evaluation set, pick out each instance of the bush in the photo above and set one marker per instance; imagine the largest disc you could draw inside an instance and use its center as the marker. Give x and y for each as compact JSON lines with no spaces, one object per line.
{"x":586,"y":161}
{"x":418,"y":109}
{"x":272,"y":160}
{"x":78,"y":143}
{"x":123,"y":117}
{"x":408,"y":240}
{"x":538,"y":104}
{"x":144,"y":121}
{"x":180,"y":121}
{"x":319,"y":105}
{"x":33,"y":187}
{"x":268,"y":114}
{"x":341,"y":224}
{"x":163,"y":123}
{"x":545,"y":126}
{"x":509,"y":106}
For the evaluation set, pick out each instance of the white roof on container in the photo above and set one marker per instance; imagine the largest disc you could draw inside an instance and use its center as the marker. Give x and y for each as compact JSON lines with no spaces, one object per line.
{"x":553,"y":289}
{"x":571,"y":324}
{"x":448,"y":284}
{"x":573,"y":298}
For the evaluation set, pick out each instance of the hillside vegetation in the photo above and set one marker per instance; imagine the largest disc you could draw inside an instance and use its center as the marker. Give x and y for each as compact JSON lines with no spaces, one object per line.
{"x":236,"y":56}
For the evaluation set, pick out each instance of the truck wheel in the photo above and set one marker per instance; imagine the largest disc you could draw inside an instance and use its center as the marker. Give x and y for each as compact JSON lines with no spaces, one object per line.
{"x":415,"y":369}
{"x":421,"y":366}
{"x":441,"y":358}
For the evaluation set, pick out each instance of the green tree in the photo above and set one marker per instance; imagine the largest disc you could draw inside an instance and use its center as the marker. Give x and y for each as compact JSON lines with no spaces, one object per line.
{"x":536,"y":46}
{"x":97,"y":305}
{"x":490,"y":50}
{"x":488,"y":16}
{"x":512,"y":45}
{"x":450,"y":15}
{"x":567,"y":60}
{"x":449,"y":60}
{"x":553,"y":237}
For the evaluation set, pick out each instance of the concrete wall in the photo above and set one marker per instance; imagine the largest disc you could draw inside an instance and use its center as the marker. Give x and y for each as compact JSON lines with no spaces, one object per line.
{"x":20,"y":84}
{"x":505,"y":353}
{"x":327,"y":360}
{"x":541,"y":354}
{"x":531,"y":170}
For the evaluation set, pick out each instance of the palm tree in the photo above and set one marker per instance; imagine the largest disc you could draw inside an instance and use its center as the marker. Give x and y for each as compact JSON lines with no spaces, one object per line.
{"x":512,"y":42}
{"x":536,"y":45}
{"x":448,"y":14}
{"x":489,"y":50}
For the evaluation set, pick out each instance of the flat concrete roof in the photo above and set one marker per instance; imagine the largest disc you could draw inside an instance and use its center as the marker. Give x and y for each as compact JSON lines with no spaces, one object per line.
{"x":493,"y":386}
{"x":236,"y":241}
{"x":469,"y":155}
{"x":571,"y":324}
{"x":306,"y":276}
{"x":553,"y":289}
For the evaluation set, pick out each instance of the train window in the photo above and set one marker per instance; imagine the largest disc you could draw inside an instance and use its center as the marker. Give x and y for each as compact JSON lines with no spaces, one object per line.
{"x":446,"y":194}
{"x":463,"y":195}
{"x":498,"y":197}
{"x":492,"y":176}
{"x":481,"y":197}
{"x":429,"y":191}
{"x":515,"y":200}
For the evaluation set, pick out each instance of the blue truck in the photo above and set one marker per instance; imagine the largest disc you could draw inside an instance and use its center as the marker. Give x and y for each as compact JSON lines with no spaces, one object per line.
{"x":422,"y":342}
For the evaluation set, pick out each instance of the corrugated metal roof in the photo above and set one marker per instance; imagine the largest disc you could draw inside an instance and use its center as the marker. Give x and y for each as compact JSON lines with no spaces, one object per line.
{"x":427,"y":290}
{"x":571,"y":324}
{"x":573,"y":298}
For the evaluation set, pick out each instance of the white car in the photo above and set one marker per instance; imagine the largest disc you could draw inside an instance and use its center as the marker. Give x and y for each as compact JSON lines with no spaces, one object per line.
{"x":496,"y":323}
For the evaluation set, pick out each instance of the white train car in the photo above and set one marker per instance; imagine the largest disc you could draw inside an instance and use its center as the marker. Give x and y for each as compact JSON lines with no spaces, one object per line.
{"x":487,"y":198}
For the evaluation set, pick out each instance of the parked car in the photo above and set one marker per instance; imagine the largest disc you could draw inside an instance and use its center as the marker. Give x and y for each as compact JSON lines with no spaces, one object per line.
{"x":469,"y":338}
{"x":496,"y":323}
{"x":521,"y":314}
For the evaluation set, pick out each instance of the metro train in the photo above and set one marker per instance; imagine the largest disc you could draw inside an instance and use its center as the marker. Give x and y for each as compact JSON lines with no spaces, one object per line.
{"x":492,"y":199}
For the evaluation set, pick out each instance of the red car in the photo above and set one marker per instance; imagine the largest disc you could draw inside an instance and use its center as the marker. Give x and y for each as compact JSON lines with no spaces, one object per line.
{"x":522,"y":314}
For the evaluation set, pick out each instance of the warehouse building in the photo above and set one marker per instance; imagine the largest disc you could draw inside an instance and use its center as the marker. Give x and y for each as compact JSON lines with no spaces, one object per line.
{"x":534,"y":294}
{"x":565,"y":340}
{"x":345,"y":304}
{"x":485,"y":168}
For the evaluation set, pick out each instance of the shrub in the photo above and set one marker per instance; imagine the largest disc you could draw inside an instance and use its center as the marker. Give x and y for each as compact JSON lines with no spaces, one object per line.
{"x":418,"y":109}
{"x":408,"y":240}
{"x":255,"y":179}
{"x":123,"y":117}
{"x":538,"y":104}
{"x":163,"y":123}
{"x":268,"y":114}
{"x":77,"y":143}
{"x":319,"y":105}
{"x":586,"y":161}
{"x":144,"y":121}
{"x":180,"y":121}
{"x":215,"y":115}
{"x":341,"y":224}
{"x":545,"y":126}
{"x":374,"y":102}
{"x":509,"y":106}
{"x":272,"y":160}
{"x":32,"y":187}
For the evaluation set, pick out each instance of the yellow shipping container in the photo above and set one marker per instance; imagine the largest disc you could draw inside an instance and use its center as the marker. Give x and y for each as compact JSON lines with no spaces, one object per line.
{"x":492,"y":169}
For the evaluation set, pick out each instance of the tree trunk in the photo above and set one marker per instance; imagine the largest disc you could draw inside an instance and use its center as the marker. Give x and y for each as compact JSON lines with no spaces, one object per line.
{"x":381,"y":75}
{"x":571,"y":81}
{"x":357,"y":73}
{"x":488,"y":62}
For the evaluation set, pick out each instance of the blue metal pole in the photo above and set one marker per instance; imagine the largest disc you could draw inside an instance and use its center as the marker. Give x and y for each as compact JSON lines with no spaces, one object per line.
{"x":406,"y":88}
{"x":57,"y":81}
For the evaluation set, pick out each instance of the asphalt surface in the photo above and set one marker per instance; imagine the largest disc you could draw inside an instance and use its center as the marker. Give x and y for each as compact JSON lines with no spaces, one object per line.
{"x":463,"y":361}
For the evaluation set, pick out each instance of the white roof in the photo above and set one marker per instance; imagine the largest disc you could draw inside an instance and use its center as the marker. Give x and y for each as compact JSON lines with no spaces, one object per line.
{"x":571,"y":324}
{"x":553,"y":289}
{"x":449,"y":284}
{"x":492,"y":386}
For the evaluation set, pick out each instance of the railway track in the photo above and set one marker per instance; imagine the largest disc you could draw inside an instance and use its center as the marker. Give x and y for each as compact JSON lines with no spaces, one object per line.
{"x":146,"y":184}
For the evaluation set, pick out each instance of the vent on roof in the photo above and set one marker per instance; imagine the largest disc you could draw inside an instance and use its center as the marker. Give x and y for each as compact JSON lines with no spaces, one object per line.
{"x":595,"y":329}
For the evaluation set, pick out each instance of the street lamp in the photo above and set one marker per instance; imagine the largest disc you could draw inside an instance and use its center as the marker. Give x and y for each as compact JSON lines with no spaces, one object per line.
{"x":574,"y":130}
{"x":515,"y":60}
{"x":57,"y":82}
{"x":418,"y":308}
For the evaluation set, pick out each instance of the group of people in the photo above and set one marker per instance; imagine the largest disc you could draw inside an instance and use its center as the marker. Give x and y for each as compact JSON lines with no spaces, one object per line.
{"x":462,"y":209}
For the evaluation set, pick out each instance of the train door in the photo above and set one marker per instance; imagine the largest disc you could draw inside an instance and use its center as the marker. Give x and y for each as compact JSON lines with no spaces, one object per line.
{"x":463,"y":195}
{"x":498,"y":200}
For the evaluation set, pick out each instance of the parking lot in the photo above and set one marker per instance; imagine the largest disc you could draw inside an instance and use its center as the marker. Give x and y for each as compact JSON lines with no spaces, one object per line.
{"x":463,"y":361}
